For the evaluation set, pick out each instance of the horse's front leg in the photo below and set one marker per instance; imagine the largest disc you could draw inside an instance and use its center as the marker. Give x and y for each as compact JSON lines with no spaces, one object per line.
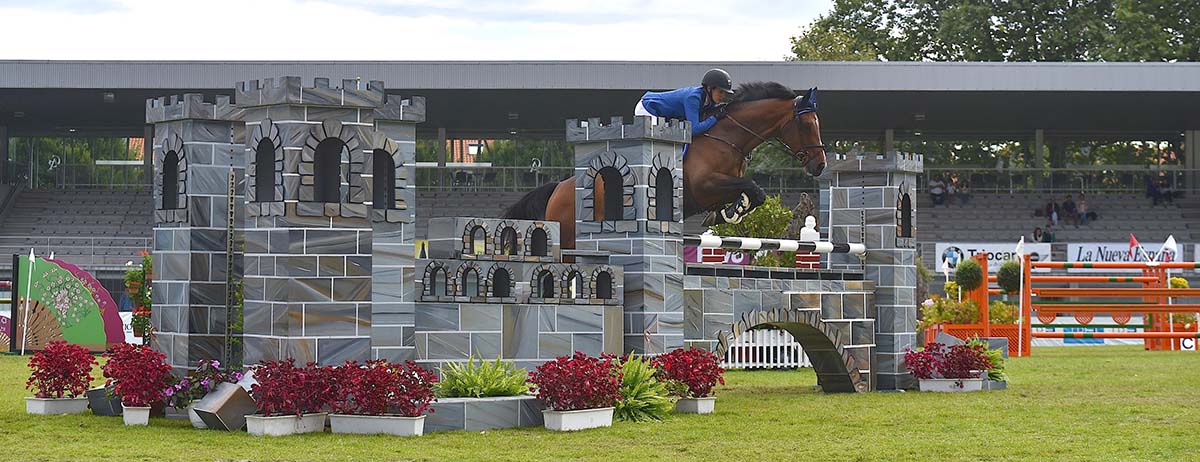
{"x":737,"y":197}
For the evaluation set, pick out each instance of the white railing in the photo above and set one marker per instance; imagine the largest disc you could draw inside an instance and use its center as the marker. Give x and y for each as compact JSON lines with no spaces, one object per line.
{"x":764,"y":349}
{"x":86,"y":252}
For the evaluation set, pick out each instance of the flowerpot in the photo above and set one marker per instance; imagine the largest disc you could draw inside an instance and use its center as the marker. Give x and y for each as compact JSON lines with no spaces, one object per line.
{"x":951,"y":385}
{"x":284,"y":425}
{"x":101,"y":404}
{"x":377,"y":424}
{"x":197,"y":422}
{"x":695,"y":405}
{"x":136,"y":415}
{"x":225,"y":407}
{"x":477,"y":414}
{"x":578,"y":420}
{"x":995,"y":385}
{"x":56,"y":406}
{"x":139,"y":331}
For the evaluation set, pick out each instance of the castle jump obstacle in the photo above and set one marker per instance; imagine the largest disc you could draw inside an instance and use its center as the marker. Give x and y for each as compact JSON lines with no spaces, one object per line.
{"x":708,"y":241}
{"x":329,"y":272}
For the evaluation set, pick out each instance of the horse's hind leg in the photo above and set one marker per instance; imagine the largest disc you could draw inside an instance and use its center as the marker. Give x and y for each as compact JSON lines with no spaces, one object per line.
{"x":738,"y":197}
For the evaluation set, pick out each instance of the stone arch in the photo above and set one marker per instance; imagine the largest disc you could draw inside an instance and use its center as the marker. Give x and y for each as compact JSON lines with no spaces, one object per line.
{"x":662,"y":189}
{"x":475,"y":233}
{"x":904,"y":214}
{"x":601,"y":286}
{"x":330,"y":165}
{"x":543,"y":282}
{"x":500,"y":282}
{"x":507,"y":240}
{"x":537,"y":241}
{"x":383,"y":178}
{"x":265,"y":173}
{"x":573,"y":284}
{"x":838,"y":369}
{"x":436,"y":280}
{"x":170,"y":180}
{"x":469,"y":280}
{"x":610,"y":168}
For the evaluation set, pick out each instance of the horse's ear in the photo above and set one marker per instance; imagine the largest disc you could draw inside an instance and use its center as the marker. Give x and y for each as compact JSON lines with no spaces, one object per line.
{"x":807,"y":102}
{"x":811,"y":97}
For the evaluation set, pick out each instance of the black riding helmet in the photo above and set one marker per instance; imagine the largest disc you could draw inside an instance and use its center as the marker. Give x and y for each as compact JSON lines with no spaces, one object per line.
{"x":718,"y":78}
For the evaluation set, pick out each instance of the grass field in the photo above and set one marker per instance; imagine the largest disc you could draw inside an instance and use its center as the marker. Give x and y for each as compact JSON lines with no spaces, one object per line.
{"x":1082,"y":403}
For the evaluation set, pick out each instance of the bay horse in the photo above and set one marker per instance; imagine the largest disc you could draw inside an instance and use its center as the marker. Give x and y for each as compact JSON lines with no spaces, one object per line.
{"x":714,"y":162}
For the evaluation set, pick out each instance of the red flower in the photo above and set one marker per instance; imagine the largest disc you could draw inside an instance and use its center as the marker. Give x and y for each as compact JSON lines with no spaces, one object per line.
{"x":956,"y":362}
{"x":62,"y":370}
{"x":380,"y":387}
{"x":577,"y":382}
{"x":699,"y":369}
{"x":283,"y":388}
{"x":138,"y":374}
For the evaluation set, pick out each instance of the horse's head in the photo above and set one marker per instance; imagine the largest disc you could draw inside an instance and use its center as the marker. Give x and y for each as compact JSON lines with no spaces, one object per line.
{"x":802,"y":134}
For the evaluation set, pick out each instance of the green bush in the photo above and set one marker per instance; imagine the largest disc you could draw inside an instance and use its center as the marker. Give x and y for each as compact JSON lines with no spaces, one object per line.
{"x":968,"y":274}
{"x":948,"y":311}
{"x":1181,"y":318}
{"x":1008,"y":277}
{"x":482,"y":379}
{"x":643,"y":397}
{"x":995,"y":355}
{"x":770,"y":221}
{"x":1002,"y":313}
{"x":951,"y":289}
{"x":776,"y":259}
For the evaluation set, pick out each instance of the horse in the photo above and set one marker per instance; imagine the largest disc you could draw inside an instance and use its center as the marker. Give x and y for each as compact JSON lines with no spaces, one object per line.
{"x":714,"y":162}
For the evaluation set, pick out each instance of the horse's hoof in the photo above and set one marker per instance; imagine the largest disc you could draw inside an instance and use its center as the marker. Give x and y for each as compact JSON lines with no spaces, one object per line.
{"x":745,"y":202}
{"x":735,"y":218}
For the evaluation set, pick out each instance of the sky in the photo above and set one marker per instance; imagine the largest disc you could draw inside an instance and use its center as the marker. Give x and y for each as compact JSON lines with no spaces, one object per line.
{"x":669,"y":30}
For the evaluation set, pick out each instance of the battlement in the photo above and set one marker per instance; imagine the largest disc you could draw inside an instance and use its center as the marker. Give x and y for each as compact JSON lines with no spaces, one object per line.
{"x":189,"y":106}
{"x":410,"y":109}
{"x":642,"y":128}
{"x":291,"y":90}
{"x":891,"y":161}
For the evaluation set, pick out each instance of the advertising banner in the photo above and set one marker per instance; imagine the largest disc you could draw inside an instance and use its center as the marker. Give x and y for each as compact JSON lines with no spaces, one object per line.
{"x":1092,"y":252}
{"x":998,"y":253}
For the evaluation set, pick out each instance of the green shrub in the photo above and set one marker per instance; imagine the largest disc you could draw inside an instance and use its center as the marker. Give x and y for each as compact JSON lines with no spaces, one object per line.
{"x":776,"y":259}
{"x":643,"y":397}
{"x":1002,"y":313}
{"x":997,"y":359}
{"x":1179,"y":283}
{"x":1181,"y":318}
{"x":482,"y":379}
{"x":951,"y":289}
{"x":948,"y":311}
{"x":968,"y":274}
{"x":1008,"y":277}
{"x":770,"y":221}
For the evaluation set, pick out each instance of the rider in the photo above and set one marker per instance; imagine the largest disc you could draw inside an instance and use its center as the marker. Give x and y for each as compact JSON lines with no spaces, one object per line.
{"x":689,"y":102}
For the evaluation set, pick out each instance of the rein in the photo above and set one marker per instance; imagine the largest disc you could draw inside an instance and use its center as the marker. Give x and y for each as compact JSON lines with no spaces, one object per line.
{"x":801,"y":153}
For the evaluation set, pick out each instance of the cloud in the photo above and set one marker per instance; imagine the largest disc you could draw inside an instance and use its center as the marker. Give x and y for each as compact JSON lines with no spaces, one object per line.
{"x":715,"y":30}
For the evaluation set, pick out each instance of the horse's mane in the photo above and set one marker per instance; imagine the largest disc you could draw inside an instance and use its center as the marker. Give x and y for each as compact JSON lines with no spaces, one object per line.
{"x":754,"y":91}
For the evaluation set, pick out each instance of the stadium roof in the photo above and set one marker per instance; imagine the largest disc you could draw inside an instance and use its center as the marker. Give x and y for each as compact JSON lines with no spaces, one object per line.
{"x":494,"y":98}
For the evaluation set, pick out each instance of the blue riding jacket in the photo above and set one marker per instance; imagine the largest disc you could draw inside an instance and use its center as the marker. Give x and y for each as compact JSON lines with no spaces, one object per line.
{"x":684,"y":103}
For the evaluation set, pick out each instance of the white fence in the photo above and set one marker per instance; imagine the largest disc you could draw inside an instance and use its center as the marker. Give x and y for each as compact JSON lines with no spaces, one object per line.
{"x":764,"y":349}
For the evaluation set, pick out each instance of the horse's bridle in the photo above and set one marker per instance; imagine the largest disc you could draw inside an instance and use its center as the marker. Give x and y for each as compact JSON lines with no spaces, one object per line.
{"x":801,"y":153}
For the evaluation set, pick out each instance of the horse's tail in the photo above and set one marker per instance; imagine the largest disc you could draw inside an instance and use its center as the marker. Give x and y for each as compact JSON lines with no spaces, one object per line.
{"x":532,"y":206}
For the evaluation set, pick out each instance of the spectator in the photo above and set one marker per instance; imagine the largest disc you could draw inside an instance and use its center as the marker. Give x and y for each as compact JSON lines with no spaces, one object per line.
{"x":1082,"y":216}
{"x":937,"y":191}
{"x":1165,"y":191}
{"x":964,"y":194}
{"x":1048,"y":234}
{"x":1051,"y":213}
{"x":951,"y":190}
{"x":1152,"y":190}
{"x":1037,"y":234}
{"x":1069,"y":211}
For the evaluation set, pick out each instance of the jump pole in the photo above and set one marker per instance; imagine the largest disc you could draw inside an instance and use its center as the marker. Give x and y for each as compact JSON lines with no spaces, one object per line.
{"x":708,"y":241}
{"x":1141,"y":335}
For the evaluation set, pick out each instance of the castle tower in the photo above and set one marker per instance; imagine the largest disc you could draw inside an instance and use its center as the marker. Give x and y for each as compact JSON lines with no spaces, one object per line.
{"x":197,"y":146}
{"x":871,"y":198}
{"x":311,"y":217}
{"x":641,"y":166}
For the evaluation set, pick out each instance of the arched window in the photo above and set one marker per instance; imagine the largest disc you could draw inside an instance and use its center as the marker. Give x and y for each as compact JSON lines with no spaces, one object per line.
{"x":664,"y":196}
{"x":904,"y":220}
{"x":574,"y":285}
{"x":383,"y":182}
{"x":539,"y":243}
{"x":545,"y":284}
{"x":508,"y":241}
{"x":327,"y":170}
{"x":170,"y":181}
{"x":478,"y":242}
{"x":604,"y":285}
{"x":613,"y":188}
{"x":501,"y":282}
{"x":264,"y":171}
{"x":470,"y":283}
{"x":438,"y":282}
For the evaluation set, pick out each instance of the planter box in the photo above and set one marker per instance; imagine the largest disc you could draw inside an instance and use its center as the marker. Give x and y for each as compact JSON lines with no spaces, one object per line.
{"x":101,"y":404}
{"x":995,"y":385}
{"x":135,"y":415}
{"x":695,"y":405}
{"x":477,"y":414}
{"x":225,"y":408}
{"x":952,"y":385}
{"x":284,"y":425}
{"x":565,"y":421}
{"x":197,"y":422}
{"x":377,"y":424}
{"x":56,"y":406}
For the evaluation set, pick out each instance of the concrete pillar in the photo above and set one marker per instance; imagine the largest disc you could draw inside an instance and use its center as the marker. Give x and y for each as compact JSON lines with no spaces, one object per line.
{"x":889,"y":140}
{"x":1039,"y":142}
{"x":441,"y":152}
{"x":148,"y":153}
{"x":3,"y":154}
{"x":1191,"y":157}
